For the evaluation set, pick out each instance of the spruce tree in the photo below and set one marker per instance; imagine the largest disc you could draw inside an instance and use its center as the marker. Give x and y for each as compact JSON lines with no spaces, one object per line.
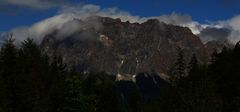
{"x":8,"y":75}
{"x":179,"y":68}
{"x":193,"y":65}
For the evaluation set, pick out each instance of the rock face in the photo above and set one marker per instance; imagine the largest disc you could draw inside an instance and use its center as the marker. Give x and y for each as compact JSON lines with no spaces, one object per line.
{"x":122,"y":48}
{"x":217,"y":46}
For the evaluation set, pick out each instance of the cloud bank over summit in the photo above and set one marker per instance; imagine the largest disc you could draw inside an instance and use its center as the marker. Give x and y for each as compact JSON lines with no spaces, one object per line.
{"x":218,"y":30}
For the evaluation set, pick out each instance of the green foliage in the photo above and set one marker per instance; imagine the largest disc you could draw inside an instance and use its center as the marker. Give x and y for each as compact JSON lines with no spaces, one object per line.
{"x":75,"y":99}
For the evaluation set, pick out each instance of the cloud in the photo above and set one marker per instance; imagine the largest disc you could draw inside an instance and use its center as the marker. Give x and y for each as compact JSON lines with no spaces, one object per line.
{"x":224,"y":29}
{"x":184,"y":20}
{"x":218,"y":30}
{"x":42,"y":28}
{"x":65,"y":23}
{"x":1,"y":34}
{"x":86,"y":29}
{"x":94,"y":10}
{"x":85,"y":11}
{"x":212,"y":33}
{"x":234,"y":25}
{"x":175,"y":18}
{"x":35,"y":4}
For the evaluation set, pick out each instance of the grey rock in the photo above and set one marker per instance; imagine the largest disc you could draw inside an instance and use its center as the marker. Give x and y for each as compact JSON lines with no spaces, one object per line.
{"x":125,"y":48}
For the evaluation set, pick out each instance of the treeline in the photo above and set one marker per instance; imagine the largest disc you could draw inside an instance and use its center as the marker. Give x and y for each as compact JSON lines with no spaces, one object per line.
{"x":195,"y":87}
{"x":31,"y":81}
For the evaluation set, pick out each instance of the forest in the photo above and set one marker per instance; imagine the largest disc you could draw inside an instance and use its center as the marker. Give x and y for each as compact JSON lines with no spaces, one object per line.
{"x":31,"y":81}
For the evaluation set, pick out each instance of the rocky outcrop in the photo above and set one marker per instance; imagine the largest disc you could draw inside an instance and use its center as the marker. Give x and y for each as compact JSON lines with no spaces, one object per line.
{"x":125,"y":49}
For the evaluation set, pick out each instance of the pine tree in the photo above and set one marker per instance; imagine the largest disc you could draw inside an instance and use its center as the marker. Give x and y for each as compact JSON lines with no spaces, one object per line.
{"x":8,"y":75}
{"x":74,"y":98}
{"x":103,"y":90}
{"x":179,"y":68}
{"x":213,"y":57}
{"x":193,"y":65}
{"x":237,"y":48}
{"x":33,"y":69}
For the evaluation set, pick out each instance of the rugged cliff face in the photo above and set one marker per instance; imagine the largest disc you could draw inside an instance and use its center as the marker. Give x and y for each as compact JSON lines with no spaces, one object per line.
{"x":123,"y":48}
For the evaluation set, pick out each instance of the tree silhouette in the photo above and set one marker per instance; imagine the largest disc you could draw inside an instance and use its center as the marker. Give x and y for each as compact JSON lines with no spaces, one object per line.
{"x":8,"y":75}
{"x":193,"y":65}
{"x":179,"y":68}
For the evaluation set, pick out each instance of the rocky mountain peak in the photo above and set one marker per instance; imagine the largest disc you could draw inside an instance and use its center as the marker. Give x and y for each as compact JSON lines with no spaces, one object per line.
{"x":123,"y":48}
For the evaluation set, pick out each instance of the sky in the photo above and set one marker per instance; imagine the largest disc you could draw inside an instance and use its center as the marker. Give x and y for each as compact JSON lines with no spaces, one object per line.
{"x":198,"y":15}
{"x":200,"y":10}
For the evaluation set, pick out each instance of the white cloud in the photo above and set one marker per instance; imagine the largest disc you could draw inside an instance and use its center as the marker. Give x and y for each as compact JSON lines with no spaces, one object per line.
{"x":42,"y":28}
{"x":85,"y":11}
{"x":36,"y":4}
{"x":173,"y":18}
{"x":63,"y":22}
{"x":234,"y":25}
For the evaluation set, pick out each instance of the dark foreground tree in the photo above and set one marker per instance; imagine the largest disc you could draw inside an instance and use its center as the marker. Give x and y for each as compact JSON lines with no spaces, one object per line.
{"x":8,"y":76}
{"x":178,"y":71}
{"x":30,"y":81}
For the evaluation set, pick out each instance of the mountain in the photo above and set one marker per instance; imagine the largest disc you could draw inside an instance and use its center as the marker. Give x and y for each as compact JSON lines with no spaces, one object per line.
{"x":122,"y":48}
{"x":217,"y":46}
